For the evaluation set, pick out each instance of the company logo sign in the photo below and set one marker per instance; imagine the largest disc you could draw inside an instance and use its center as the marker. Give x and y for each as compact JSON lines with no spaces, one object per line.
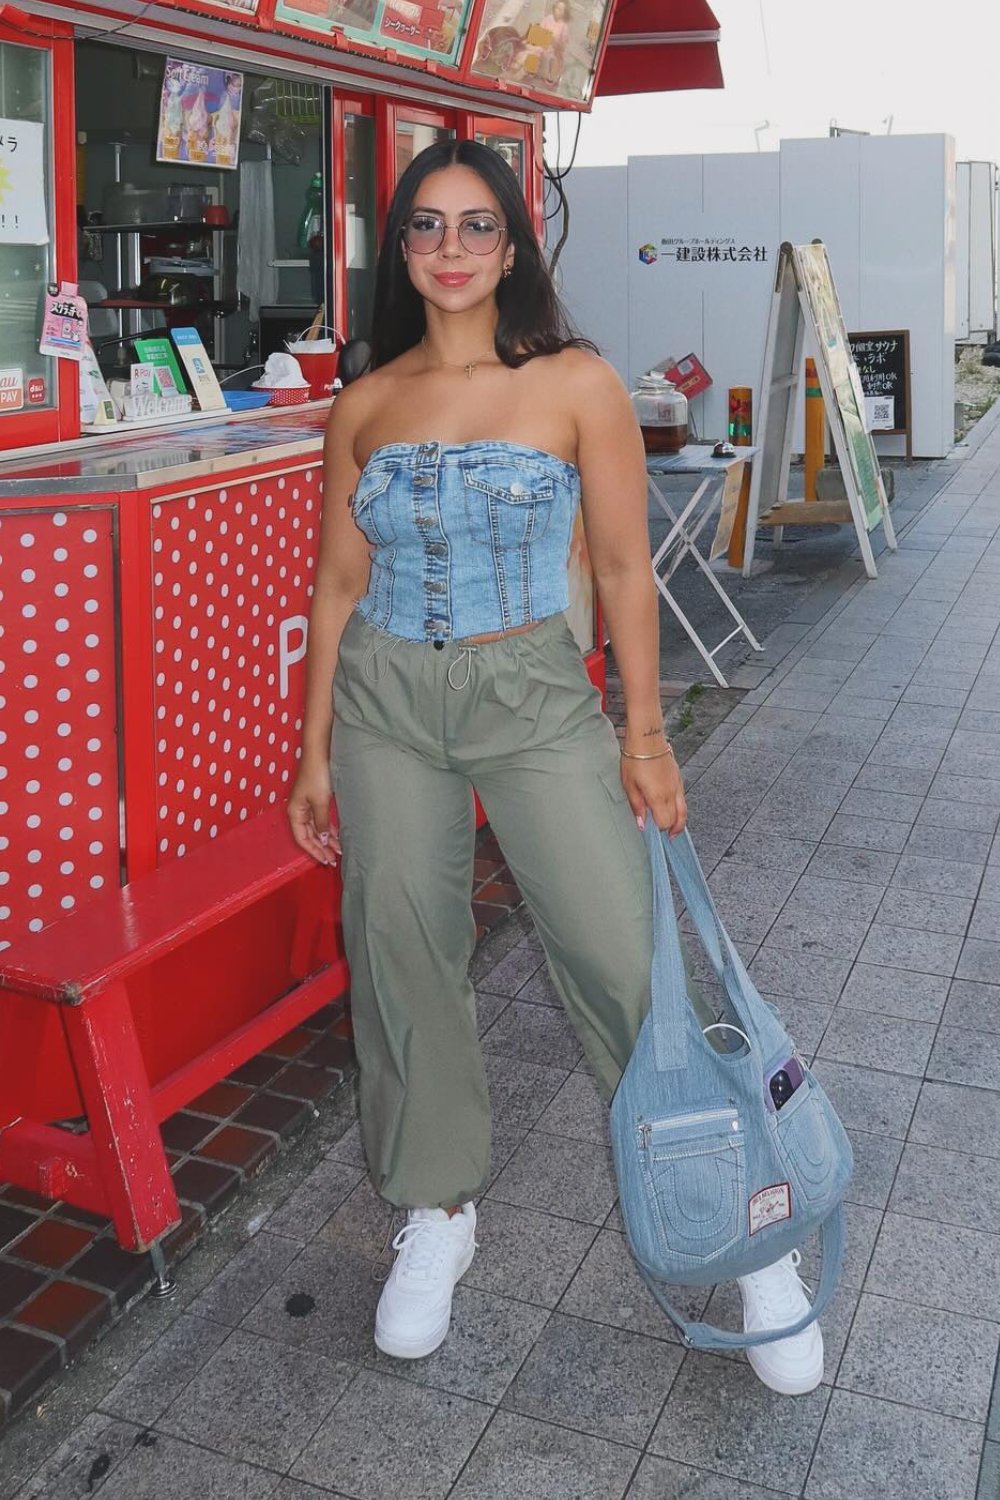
{"x":647,"y":254}
{"x":11,"y":388}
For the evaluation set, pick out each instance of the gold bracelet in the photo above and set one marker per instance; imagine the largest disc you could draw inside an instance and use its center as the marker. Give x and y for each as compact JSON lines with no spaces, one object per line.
{"x":659,"y":754}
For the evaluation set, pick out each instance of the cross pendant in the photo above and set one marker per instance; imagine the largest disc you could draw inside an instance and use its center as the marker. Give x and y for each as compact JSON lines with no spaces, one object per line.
{"x":468,"y":371}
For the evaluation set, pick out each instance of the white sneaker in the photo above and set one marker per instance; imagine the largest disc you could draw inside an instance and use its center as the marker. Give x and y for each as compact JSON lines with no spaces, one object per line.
{"x":434,"y":1253}
{"x":775,"y":1298}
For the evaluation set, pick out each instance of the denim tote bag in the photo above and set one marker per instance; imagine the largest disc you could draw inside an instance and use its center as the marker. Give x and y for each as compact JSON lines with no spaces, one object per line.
{"x":715,"y":1182}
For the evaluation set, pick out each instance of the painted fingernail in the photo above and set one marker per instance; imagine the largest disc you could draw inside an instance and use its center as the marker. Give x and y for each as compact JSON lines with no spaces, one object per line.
{"x":324,"y":838}
{"x":641,"y":821}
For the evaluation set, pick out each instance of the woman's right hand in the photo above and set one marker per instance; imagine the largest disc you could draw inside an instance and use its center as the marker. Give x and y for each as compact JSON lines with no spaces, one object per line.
{"x":309,"y":809}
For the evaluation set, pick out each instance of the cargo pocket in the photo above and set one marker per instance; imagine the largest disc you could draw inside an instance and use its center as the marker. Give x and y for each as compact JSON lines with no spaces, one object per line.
{"x":807,"y":1141}
{"x":693,"y":1168}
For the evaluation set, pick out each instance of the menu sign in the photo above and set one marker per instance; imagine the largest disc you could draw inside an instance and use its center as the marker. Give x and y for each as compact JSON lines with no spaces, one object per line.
{"x":548,"y":46}
{"x":416,"y":28}
{"x":200,"y":111}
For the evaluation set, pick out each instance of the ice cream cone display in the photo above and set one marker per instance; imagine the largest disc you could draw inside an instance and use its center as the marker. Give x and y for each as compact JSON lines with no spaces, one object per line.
{"x":200,"y":109}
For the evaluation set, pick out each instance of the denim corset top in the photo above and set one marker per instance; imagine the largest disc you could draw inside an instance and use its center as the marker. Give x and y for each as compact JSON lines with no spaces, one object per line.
{"x":466,"y":538}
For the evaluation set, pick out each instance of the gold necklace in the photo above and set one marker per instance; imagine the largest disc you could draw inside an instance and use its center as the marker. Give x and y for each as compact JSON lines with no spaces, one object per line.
{"x":450,"y":365}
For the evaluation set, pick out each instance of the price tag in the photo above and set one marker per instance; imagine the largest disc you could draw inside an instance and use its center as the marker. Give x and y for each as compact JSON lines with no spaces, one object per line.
{"x":64,"y":324}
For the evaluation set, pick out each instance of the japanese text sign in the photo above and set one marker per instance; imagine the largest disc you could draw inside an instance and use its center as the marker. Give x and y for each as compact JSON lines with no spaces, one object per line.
{"x":23,"y":220}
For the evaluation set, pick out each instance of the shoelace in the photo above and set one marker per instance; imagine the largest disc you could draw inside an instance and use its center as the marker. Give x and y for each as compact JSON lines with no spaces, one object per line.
{"x":424,"y":1244}
{"x":778,"y":1298}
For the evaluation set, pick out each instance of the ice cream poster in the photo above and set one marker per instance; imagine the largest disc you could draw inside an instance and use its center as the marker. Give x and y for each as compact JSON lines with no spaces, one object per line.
{"x":200,"y":112}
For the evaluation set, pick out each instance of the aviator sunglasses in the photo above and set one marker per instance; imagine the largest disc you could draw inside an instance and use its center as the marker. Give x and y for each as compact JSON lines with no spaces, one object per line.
{"x":480,"y":234}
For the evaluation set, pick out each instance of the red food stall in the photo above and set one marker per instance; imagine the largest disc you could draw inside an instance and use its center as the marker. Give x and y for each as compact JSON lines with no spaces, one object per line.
{"x":222,"y":164}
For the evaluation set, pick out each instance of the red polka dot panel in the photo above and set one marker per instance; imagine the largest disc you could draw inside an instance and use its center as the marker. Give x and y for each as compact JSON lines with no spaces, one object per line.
{"x":59,"y":813}
{"x":232,"y":579}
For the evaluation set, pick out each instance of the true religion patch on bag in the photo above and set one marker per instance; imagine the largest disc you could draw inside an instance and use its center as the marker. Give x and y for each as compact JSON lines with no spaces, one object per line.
{"x":770,"y":1206}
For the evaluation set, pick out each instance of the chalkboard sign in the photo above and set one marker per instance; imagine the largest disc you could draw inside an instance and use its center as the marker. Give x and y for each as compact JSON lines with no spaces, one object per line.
{"x":883,"y":361}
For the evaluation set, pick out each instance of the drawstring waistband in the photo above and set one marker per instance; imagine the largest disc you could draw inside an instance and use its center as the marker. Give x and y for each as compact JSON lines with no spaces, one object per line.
{"x":372,"y":657}
{"x":466,"y":653}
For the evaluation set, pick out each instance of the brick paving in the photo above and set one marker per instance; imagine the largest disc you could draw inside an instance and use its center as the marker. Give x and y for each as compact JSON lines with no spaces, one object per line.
{"x":847,"y":810}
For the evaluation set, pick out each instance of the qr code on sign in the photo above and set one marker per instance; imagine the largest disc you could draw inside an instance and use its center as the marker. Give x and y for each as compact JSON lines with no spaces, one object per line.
{"x":881,"y":412}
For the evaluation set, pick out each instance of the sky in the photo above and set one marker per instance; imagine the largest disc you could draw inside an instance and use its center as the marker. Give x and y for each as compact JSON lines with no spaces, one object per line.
{"x":791,"y":67}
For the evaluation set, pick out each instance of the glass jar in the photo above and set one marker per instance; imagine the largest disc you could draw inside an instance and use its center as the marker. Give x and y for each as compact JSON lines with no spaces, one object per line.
{"x":662,"y":413}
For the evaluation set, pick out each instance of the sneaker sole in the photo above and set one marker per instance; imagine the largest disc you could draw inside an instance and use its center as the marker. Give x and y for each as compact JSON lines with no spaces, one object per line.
{"x":401,"y":1348}
{"x":797,"y":1385}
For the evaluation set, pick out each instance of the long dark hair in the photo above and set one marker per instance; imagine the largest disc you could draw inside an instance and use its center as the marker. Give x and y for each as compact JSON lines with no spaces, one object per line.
{"x":532,"y":320}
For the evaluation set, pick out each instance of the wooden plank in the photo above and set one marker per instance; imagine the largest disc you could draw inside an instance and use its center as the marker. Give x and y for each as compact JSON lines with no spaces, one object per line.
{"x":808,"y":513}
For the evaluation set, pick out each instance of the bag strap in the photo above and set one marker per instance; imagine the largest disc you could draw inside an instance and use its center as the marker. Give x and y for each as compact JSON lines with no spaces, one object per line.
{"x":669,"y":1008}
{"x":697,"y":1335}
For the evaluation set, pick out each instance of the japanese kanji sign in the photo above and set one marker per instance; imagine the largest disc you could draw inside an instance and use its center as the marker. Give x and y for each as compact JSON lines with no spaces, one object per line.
{"x":883,"y":361}
{"x":23,"y":220}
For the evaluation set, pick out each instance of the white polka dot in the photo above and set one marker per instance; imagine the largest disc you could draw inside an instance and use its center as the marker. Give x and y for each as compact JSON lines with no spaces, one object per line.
{"x":91,"y":640}
{"x":61,"y":590}
{"x":29,"y":611}
{"x":65,"y":764}
{"x":31,"y":752}
{"x":34,"y":855}
{"x":29,"y":646}
{"x":93,"y":813}
{"x":32,"y":787}
{"x":65,"y":833}
{"x":31,"y":717}
{"x":65,"y":799}
{"x":34,"y":891}
{"x":93,"y":744}
{"x":63,"y":695}
{"x":92,"y":675}
{"x":90,"y":536}
{"x":64,"y":729}
{"x":96,"y":881}
{"x":36,"y":924}
{"x":96,"y":847}
{"x":90,"y":571}
{"x":67,"y":867}
{"x":27,"y":540}
{"x":59,"y":519}
{"x":62,"y":660}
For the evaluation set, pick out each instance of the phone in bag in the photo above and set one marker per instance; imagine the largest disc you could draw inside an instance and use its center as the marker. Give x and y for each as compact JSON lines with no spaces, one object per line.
{"x":781,"y":1083}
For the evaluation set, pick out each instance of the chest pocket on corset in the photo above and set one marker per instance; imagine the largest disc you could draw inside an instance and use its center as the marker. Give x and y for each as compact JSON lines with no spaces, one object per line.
{"x":508,"y":505}
{"x":371,"y":508}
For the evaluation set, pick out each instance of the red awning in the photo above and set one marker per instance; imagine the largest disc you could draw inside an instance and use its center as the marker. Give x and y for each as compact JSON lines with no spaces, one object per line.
{"x":658,"y":45}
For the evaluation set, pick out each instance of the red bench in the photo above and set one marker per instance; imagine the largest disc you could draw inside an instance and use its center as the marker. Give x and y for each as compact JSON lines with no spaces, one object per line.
{"x":97,"y":968}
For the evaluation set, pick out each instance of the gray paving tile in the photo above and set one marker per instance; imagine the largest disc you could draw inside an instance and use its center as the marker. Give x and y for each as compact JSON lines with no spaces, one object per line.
{"x":804,"y":1021}
{"x":325,"y":1302}
{"x":877,"y":802}
{"x":884,"y":990}
{"x":314,"y":1200}
{"x":660,"y":1479}
{"x":887,"y":1356}
{"x":573,"y":1179}
{"x":538,"y":1034}
{"x":865,"y":1099}
{"x":807,"y":976}
{"x":159,"y":1466}
{"x":990,"y":888}
{"x":596,"y":1379}
{"x":939,"y":812}
{"x":962,"y":844}
{"x":769,"y":852}
{"x":979,"y":961}
{"x":966,"y":1057}
{"x":867,"y":833}
{"x":863,"y":1225}
{"x":156,"y":1379}
{"x":539,"y":989}
{"x":977,"y":790}
{"x":525,"y":1254}
{"x":608,"y":1289}
{"x":905,"y":779}
{"x":876,"y":1160}
{"x":975,"y":1006}
{"x":891,"y":1043}
{"x":924,"y":910}
{"x":826,"y":918}
{"x":951,"y":1186}
{"x":519,"y":1090}
{"x":294,"y":1489}
{"x":517,"y":1457}
{"x":857,"y":866}
{"x":853,"y":704}
{"x":97,"y":1445}
{"x":926,"y":952}
{"x":985,"y":922}
{"x":489,"y":1009}
{"x":364,"y":1222}
{"x":391,"y":1437}
{"x":958,"y":1117}
{"x":944,"y":877}
{"x":937,"y":1265}
{"x":878,"y":1450}
{"x":254,"y":1269}
{"x":511,"y":972}
{"x":504,"y":1141}
{"x":348,"y":1149}
{"x":719,"y":1415}
{"x":577,"y":1110}
{"x":257,"y":1401}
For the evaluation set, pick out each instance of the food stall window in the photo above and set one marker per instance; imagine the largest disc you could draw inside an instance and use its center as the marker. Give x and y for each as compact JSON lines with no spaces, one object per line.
{"x":510,"y":147}
{"x":413,"y":136}
{"x":27,"y":266}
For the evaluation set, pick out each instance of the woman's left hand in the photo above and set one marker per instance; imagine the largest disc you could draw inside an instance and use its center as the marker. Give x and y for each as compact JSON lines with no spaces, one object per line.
{"x":657,"y":785}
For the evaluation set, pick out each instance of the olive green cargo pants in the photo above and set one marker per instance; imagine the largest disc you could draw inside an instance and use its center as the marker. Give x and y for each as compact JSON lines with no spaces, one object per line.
{"x":415,"y":730}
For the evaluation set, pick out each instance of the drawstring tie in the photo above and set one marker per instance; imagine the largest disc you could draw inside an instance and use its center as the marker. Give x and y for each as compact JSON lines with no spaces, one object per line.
{"x":374,"y":668}
{"x":465,"y":653}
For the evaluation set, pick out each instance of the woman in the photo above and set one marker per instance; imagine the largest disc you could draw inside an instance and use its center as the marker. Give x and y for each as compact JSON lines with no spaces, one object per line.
{"x":453,"y":473}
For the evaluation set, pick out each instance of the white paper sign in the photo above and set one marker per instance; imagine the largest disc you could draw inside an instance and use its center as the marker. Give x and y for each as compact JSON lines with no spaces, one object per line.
{"x":880,"y":412}
{"x":23,"y":220}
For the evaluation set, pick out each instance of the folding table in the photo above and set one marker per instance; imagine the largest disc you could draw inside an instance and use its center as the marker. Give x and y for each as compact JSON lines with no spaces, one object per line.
{"x":722,"y":481}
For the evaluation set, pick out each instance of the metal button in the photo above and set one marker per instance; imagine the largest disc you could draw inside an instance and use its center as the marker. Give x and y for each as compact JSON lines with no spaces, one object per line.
{"x":423,"y":479}
{"x":437,"y":549}
{"x":435,"y":586}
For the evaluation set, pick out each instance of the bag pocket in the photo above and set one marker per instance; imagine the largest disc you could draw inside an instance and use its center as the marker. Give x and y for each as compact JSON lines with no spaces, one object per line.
{"x":693,"y":1168}
{"x":806,"y":1139}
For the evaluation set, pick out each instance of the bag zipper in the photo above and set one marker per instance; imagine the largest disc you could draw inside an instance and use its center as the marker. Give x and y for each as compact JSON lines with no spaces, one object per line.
{"x":699,"y":1117}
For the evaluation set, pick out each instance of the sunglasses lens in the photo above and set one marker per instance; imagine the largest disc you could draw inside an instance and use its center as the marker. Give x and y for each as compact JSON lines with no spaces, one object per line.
{"x":481,"y":236}
{"x":423,"y":233}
